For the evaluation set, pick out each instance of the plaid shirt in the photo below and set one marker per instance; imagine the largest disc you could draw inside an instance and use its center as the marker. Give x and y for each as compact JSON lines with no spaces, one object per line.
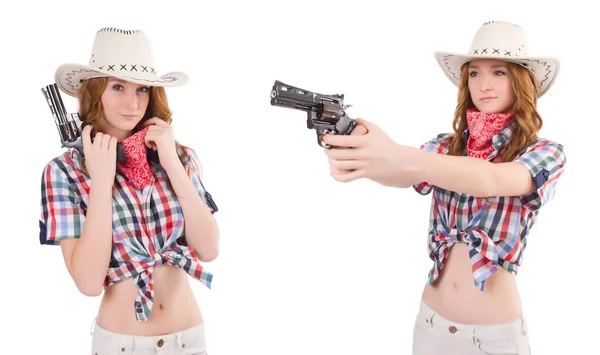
{"x":148,"y":225}
{"x":495,"y":229}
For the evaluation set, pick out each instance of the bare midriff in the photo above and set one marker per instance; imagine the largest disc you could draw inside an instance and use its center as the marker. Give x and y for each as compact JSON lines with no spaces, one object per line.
{"x":174,"y":309}
{"x":454,"y":295}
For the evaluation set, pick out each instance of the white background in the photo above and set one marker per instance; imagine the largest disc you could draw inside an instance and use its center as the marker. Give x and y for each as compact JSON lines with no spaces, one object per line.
{"x":307,"y":264}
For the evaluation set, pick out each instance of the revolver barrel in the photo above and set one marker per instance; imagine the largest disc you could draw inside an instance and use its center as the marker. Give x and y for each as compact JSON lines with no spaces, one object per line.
{"x":67,"y":128}
{"x":325,"y":113}
{"x":293,"y":97}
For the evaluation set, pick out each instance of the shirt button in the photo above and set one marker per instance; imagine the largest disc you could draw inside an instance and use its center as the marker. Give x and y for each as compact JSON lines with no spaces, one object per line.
{"x":452,"y":329}
{"x":160,"y":343}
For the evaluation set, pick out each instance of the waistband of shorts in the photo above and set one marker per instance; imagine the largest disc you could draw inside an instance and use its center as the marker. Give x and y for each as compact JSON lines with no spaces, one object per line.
{"x":430,"y":318}
{"x":148,"y":340}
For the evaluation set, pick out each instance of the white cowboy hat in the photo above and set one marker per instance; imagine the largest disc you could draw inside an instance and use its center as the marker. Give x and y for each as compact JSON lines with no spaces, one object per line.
{"x":124,"y":54}
{"x":503,"y":41}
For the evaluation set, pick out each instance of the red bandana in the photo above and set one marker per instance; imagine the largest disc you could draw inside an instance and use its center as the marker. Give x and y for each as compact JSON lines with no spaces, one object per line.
{"x":482,"y":128}
{"x":136,"y":167}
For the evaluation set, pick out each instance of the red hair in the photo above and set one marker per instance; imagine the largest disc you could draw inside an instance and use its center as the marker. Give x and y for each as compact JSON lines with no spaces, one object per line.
{"x":90,"y":109}
{"x":527,"y":122}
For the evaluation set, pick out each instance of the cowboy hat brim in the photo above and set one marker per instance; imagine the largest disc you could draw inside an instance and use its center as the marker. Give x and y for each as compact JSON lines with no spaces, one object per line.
{"x":545,"y":69}
{"x":69,"y":77}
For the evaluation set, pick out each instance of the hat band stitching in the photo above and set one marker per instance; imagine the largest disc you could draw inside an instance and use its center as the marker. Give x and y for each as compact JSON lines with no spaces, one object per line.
{"x":111,"y":67}
{"x":494,"y":51}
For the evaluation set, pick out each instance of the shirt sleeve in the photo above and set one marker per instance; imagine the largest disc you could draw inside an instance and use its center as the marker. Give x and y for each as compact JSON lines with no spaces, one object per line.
{"x":61,"y":214}
{"x":545,"y":160}
{"x":195,"y":174}
{"x":438,"y":145}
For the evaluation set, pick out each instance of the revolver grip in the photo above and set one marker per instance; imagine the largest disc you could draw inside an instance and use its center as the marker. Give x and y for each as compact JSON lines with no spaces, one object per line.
{"x":211,"y":202}
{"x":120,"y":153}
{"x":344,"y":126}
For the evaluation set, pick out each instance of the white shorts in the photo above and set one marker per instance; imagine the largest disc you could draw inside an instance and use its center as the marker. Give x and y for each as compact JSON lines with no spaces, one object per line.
{"x":433,"y":334}
{"x":190,"y":341}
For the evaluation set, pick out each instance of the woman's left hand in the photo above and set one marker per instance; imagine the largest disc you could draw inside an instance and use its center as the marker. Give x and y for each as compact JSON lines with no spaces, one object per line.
{"x":373,"y":155}
{"x":160,"y":138}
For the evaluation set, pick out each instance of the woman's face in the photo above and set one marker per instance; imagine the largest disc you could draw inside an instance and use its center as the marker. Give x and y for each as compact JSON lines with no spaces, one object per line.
{"x":490,"y":85}
{"x":124,"y":105}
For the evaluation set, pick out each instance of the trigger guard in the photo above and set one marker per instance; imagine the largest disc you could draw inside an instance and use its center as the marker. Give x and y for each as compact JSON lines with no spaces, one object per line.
{"x":320,"y":132}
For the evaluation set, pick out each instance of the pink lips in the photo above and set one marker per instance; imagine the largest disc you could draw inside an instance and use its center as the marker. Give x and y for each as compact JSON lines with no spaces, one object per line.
{"x":487,"y":98}
{"x":129,"y":117}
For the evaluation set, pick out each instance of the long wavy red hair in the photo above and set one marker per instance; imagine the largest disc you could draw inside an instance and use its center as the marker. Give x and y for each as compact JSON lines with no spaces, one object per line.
{"x":527,"y":122}
{"x":90,"y":109}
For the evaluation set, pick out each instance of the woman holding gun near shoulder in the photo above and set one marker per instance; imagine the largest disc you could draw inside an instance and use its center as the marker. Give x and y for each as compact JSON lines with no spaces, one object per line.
{"x":489,"y":178}
{"x":120,"y":224}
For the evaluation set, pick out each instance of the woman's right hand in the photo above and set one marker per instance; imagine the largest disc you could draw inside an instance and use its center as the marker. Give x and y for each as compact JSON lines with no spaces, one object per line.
{"x":100,"y":156}
{"x":359,"y":130}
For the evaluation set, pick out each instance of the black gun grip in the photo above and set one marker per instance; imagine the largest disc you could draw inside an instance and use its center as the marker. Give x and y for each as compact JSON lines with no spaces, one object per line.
{"x":153,"y":156}
{"x":120,"y":153}
{"x":211,"y":202}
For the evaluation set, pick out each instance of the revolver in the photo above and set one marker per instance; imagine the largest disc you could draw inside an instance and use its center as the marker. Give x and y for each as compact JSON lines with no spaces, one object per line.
{"x":69,"y":125}
{"x":326,"y":113}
